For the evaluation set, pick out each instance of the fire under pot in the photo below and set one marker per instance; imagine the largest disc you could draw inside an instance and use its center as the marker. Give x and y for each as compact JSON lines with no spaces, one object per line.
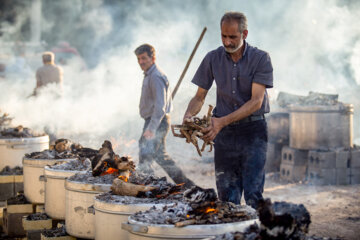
{"x":79,"y":207}
{"x":55,"y":191}
{"x":34,"y":180}
{"x":12,"y":150}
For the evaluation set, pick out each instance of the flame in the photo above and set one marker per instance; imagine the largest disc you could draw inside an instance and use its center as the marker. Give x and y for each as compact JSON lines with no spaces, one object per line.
{"x":109,"y":171}
{"x":210,"y":210}
{"x":124,"y":178}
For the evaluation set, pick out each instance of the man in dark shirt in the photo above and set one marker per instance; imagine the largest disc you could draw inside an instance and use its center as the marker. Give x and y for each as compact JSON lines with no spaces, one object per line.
{"x":241,"y":73}
{"x":155,"y":107}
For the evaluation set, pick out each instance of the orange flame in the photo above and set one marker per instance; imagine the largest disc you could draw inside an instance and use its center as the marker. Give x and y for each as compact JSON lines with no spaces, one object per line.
{"x":124,"y":178}
{"x":210,"y":210}
{"x":109,"y":171}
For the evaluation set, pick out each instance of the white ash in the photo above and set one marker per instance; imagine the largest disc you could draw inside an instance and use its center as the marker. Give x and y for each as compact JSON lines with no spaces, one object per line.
{"x":51,"y":154}
{"x":73,"y":165}
{"x":89,"y":178}
{"x":37,"y":216}
{"x":55,"y":232}
{"x":127,"y":200}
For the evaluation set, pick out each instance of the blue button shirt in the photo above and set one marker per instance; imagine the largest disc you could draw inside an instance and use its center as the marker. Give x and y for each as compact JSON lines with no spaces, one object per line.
{"x":234,"y":79}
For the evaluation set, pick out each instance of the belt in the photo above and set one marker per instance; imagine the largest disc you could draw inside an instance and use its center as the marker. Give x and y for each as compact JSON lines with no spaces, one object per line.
{"x":249,"y":119}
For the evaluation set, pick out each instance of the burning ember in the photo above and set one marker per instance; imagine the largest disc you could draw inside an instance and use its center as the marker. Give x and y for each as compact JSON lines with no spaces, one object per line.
{"x":198,"y":206}
{"x":191,"y":130}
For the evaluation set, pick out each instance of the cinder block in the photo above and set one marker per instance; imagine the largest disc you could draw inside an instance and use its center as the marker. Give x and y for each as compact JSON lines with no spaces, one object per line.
{"x":320,"y":176}
{"x":36,"y":224}
{"x":355,"y":175}
{"x":322,"y":159}
{"x":33,"y":234}
{"x":18,"y":184}
{"x":355,"y":158}
{"x":20,"y":208}
{"x":12,"y":226}
{"x":273,"y":157}
{"x":40,"y":208}
{"x":342,"y":176}
{"x":6,"y":187}
{"x":342,"y":159}
{"x":292,"y":156}
{"x":292,"y":172}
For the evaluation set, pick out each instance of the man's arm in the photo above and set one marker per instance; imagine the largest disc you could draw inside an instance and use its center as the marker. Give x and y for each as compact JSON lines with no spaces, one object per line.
{"x":195,"y":103}
{"x":251,"y":106}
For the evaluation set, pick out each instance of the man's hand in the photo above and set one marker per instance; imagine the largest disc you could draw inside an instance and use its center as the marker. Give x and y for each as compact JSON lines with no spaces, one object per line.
{"x":148,"y":134}
{"x":210,"y":132}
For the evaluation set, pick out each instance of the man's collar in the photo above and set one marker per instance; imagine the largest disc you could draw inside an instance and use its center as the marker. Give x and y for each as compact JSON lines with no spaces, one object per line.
{"x":151,"y":68}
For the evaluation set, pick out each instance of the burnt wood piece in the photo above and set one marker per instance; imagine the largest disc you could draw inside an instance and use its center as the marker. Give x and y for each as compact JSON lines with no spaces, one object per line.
{"x":18,"y":132}
{"x":122,"y":188}
{"x":283,"y":220}
{"x":103,"y":159}
{"x":197,"y":194}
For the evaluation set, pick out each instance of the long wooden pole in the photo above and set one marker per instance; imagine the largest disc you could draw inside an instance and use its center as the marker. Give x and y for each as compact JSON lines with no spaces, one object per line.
{"x":188,"y":63}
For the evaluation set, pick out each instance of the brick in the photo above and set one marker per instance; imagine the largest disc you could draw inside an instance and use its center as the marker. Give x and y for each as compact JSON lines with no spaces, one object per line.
{"x":292,"y":172}
{"x":342,"y":176}
{"x":320,"y":176}
{"x":322,"y":159}
{"x":273,"y":157}
{"x":36,"y":224}
{"x":292,"y":156}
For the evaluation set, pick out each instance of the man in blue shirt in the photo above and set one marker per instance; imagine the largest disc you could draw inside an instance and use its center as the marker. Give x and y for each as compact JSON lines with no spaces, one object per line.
{"x":155,"y":106}
{"x":241,"y":73}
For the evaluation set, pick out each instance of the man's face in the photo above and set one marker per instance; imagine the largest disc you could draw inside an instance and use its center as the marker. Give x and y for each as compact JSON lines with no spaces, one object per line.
{"x":145,"y":61}
{"x":231,"y":37}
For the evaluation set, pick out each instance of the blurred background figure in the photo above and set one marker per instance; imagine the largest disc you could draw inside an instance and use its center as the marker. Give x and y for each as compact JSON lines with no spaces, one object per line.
{"x":49,"y":73}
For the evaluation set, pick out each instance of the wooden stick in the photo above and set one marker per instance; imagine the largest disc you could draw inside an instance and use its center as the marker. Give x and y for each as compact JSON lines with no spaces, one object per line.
{"x":188,"y":63}
{"x":185,"y":223}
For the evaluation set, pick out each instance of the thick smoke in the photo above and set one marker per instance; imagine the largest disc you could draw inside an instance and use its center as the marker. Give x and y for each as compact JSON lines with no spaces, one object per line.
{"x":314,"y":46}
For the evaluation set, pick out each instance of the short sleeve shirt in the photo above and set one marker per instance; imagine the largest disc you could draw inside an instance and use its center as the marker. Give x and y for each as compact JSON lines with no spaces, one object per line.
{"x":234,"y":79}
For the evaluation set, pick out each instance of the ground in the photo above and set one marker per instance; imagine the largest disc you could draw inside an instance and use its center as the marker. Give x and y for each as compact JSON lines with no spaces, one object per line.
{"x":334,"y":210}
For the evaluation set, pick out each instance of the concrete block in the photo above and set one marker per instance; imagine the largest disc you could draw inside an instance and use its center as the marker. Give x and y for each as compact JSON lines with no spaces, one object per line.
{"x":355,"y":175}
{"x":355,"y":158}
{"x":6,"y":187}
{"x":40,"y":208}
{"x":20,"y":208}
{"x":322,"y":159}
{"x":12,"y":226}
{"x":273,"y":157}
{"x":36,"y":224}
{"x":292,"y":156}
{"x":292,"y":172}
{"x":342,"y":159}
{"x":320,"y":176}
{"x":33,"y":234}
{"x":18,"y":183}
{"x":342,"y":176}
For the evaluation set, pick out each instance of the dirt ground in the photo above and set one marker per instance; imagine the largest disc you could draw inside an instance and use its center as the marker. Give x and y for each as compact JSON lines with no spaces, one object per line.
{"x":334,"y":210}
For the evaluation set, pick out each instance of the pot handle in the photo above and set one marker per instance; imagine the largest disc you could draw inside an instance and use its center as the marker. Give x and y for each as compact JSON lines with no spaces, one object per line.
{"x":134,"y":228}
{"x":42,"y":178}
{"x":91,"y":209}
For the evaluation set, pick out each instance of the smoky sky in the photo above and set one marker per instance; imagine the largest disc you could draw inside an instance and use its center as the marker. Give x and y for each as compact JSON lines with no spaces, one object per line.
{"x":314,"y":46}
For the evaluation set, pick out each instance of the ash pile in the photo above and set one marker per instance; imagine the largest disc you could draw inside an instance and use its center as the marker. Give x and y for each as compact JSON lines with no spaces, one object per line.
{"x":63,"y":149}
{"x":311,"y":140}
{"x":198,"y":206}
{"x":11,"y":171}
{"x":278,"y":220}
{"x":19,"y":132}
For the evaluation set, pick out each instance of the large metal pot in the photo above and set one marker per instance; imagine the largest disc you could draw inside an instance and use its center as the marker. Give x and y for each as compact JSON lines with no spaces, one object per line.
{"x":108,"y":216}
{"x":144,"y":231}
{"x":321,"y":127}
{"x":55,"y":191}
{"x":12,"y":150}
{"x":79,"y":210}
{"x":34,"y":185}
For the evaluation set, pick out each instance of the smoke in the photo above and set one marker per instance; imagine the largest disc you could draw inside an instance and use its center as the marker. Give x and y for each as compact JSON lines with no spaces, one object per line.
{"x":314,"y":46}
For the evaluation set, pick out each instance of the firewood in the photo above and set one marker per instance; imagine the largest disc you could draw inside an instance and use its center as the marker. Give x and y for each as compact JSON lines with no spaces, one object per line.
{"x":185,"y":223}
{"x":119,"y":187}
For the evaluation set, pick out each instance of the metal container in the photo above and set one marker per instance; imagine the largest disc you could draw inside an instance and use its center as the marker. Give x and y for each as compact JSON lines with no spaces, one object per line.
{"x":12,"y":150}
{"x":109,"y":215}
{"x":34,"y":181}
{"x":321,"y":127}
{"x":79,"y":210}
{"x":55,"y":191}
{"x":146,"y":231}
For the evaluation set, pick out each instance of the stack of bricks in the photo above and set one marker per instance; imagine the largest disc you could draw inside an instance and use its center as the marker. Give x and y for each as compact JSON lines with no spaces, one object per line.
{"x":293,"y":164}
{"x":10,"y":185}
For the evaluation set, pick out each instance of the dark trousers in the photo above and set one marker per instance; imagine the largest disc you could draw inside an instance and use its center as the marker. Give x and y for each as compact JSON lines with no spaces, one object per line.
{"x":240,"y":154}
{"x":155,"y":149}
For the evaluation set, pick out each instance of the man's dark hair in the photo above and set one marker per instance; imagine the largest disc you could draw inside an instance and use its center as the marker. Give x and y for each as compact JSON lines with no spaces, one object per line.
{"x":238,"y":17}
{"x":150,"y":50}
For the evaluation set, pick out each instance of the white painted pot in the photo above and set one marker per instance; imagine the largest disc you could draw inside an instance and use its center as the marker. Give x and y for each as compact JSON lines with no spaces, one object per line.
{"x":146,"y":231}
{"x":55,"y":191}
{"x":12,"y":150}
{"x":79,"y":207}
{"x":34,"y":181}
{"x":109,"y":216}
